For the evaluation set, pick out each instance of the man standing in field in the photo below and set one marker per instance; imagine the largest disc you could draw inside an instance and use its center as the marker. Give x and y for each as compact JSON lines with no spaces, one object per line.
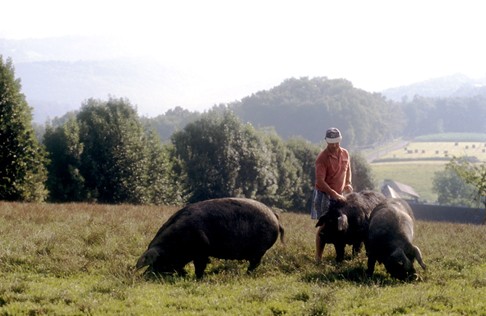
{"x":333,"y":179}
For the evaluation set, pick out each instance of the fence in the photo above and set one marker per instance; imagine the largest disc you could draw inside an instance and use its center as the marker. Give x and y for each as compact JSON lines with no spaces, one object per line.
{"x":454,"y":214}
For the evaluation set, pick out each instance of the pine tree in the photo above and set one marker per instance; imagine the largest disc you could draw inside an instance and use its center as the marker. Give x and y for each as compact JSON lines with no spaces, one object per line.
{"x":22,"y":159}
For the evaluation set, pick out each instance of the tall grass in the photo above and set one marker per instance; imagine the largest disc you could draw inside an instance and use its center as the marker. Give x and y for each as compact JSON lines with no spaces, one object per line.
{"x":73,"y":259}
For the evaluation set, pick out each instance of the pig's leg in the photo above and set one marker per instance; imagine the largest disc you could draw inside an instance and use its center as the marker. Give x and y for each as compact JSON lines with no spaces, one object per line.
{"x":200,"y":265}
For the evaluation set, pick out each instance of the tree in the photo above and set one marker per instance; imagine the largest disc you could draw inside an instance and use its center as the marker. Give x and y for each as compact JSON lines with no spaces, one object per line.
{"x":223,"y":157}
{"x":452,"y":190}
{"x":284,"y":171}
{"x":171,"y":121}
{"x":65,"y":181}
{"x":22,"y":159}
{"x":473,"y":174}
{"x":104,"y":154}
{"x":256,"y":177}
{"x":306,"y":154}
{"x":220,"y":157}
{"x":362,"y":175}
{"x":163,"y":184}
{"x":307,"y":107}
{"x":114,"y":159}
{"x":437,"y":115}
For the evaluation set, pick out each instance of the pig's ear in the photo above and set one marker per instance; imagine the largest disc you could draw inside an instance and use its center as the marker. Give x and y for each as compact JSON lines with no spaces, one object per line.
{"x":320,"y":222}
{"x":418,"y":256}
{"x":398,"y":256}
{"x":401,"y":259}
{"x":343,"y":223}
{"x":148,"y":258}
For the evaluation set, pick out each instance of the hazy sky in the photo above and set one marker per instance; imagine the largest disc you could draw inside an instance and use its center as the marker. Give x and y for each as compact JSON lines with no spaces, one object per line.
{"x":258,"y":43}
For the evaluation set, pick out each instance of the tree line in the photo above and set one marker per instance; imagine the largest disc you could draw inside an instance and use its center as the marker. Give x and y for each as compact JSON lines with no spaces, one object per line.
{"x":305,"y":107}
{"x":106,"y":153}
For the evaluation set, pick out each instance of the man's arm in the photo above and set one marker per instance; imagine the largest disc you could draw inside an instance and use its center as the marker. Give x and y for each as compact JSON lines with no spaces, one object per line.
{"x":348,"y":185}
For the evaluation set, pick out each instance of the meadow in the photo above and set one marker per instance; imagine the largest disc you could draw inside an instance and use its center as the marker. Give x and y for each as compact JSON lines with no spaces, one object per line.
{"x":436,"y":151}
{"x":416,"y":162}
{"x":78,"y":259}
{"x":419,"y":175}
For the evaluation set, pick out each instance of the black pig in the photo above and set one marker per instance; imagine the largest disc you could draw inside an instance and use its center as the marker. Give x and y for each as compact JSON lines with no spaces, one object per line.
{"x":346,"y":223}
{"x":226,"y":228}
{"x":390,"y":237}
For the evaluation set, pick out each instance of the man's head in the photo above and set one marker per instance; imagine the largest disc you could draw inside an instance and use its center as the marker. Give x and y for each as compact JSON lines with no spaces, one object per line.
{"x":333,"y":135}
{"x":333,"y":138}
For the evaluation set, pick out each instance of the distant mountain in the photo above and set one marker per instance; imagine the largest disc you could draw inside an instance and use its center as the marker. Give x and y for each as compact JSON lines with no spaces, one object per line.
{"x":53,"y":88}
{"x":58,"y":48}
{"x":59,"y":74}
{"x":457,"y":85}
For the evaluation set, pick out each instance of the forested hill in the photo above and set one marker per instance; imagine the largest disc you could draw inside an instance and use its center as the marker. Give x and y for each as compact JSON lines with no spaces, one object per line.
{"x":307,"y":107}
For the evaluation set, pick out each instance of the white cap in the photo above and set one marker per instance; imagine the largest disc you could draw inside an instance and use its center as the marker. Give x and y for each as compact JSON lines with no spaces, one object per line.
{"x":333,"y":135}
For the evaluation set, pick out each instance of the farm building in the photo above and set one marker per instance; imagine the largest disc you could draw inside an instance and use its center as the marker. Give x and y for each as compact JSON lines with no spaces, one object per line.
{"x":396,"y":189}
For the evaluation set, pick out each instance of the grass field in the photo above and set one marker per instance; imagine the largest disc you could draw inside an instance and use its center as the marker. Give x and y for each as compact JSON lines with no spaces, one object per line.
{"x":415,"y":163}
{"x":77,"y":259}
{"x":437,"y":151}
{"x":419,"y":175}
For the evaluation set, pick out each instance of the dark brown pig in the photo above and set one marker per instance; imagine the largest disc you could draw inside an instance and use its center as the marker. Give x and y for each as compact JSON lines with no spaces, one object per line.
{"x":226,"y":228}
{"x":390,"y":237}
{"x":346,"y":223}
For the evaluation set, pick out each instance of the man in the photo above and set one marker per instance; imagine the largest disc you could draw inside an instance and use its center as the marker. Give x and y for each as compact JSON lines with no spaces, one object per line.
{"x":333,"y":179}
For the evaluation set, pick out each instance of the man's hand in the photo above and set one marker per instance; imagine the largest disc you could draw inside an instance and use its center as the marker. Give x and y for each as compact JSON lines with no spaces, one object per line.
{"x":348,"y":189}
{"x":340,"y":198}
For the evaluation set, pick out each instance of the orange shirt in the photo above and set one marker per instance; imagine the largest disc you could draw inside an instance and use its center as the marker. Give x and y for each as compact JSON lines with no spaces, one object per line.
{"x":333,"y":170}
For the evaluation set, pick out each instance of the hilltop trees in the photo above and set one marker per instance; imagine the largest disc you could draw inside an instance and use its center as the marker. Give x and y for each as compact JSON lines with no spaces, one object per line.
{"x":307,"y":107}
{"x":438,"y":115}
{"x":22,"y":159}
{"x":172,"y":120}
